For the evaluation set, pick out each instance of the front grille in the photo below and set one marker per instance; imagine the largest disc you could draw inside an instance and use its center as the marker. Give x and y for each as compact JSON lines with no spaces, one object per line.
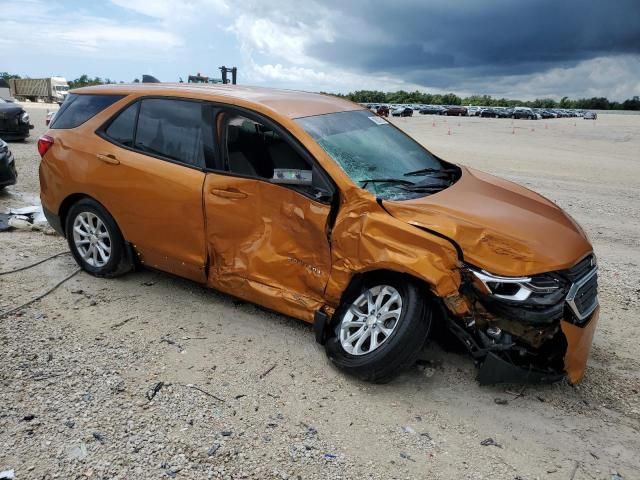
{"x":583,"y":296}
{"x":580,"y":269}
{"x":9,"y":123}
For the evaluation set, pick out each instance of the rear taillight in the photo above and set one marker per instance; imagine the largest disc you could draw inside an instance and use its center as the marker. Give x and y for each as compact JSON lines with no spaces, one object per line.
{"x":44,"y":144}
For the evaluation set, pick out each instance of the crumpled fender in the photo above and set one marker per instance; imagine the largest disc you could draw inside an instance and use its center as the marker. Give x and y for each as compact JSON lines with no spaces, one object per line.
{"x":366,"y":238}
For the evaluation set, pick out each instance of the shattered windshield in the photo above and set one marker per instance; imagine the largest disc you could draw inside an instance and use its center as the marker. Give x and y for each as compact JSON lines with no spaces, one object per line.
{"x":378,"y":156}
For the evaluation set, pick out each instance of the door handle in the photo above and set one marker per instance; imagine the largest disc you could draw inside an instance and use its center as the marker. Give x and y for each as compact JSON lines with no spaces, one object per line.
{"x":228,"y":193}
{"x":108,"y":158}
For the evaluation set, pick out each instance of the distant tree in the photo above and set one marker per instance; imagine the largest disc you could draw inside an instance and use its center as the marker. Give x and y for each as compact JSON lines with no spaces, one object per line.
{"x":85,"y":81}
{"x":8,"y":76}
{"x":632,"y":104}
{"x":136,"y":80}
{"x":402,"y":96}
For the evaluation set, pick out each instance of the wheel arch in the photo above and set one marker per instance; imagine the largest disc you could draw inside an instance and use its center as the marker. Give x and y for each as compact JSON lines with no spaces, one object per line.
{"x":72,"y":199}
{"x":66,"y":205}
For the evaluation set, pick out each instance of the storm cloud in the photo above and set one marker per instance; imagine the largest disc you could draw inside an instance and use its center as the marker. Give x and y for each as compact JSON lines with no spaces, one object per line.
{"x":446,"y":44}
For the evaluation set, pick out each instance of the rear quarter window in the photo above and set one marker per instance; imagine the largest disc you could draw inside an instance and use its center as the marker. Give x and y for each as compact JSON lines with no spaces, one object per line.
{"x":78,"y":108}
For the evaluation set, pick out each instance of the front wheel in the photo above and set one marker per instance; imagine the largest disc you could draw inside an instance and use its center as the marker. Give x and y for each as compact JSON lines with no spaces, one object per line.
{"x":380,"y":328}
{"x":95,"y":240}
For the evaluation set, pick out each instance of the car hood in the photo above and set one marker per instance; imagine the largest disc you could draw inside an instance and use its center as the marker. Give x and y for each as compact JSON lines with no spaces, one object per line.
{"x":9,"y":109}
{"x":501,"y":227}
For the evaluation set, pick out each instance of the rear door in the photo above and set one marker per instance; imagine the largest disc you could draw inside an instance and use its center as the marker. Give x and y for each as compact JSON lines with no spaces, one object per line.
{"x":150,"y":163}
{"x":268,"y":237}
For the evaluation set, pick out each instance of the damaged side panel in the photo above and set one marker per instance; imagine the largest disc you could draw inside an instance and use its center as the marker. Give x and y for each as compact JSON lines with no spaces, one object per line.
{"x":362,"y":241}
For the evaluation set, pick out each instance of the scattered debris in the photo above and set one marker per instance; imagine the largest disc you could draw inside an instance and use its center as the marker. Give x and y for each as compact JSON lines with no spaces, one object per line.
{"x":123,"y":322}
{"x":79,"y":452}
{"x":189,"y":385}
{"x":226,"y":433}
{"x":406,"y":456}
{"x":28,"y":417}
{"x":98,"y":436}
{"x":490,"y":442}
{"x":329,"y":456}
{"x":268,"y":371}
{"x":501,"y":401}
{"x":148,"y":284}
{"x":153,"y":392}
{"x":8,"y":474}
{"x":168,"y":341}
{"x":408,"y":429}
{"x":575,"y":470}
{"x":213,"y":449}
{"x":25,"y":218}
{"x":69,"y":423}
{"x":616,"y":476}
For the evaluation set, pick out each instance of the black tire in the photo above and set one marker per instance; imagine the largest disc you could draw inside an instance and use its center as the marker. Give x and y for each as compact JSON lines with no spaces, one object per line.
{"x":400,"y":350}
{"x":119,"y":261}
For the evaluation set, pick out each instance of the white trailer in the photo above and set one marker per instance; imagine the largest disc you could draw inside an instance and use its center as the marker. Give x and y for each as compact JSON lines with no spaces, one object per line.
{"x":51,"y":89}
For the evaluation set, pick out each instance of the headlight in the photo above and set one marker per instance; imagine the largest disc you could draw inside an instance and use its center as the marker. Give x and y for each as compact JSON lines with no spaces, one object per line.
{"x":517,"y":289}
{"x":24,"y":118}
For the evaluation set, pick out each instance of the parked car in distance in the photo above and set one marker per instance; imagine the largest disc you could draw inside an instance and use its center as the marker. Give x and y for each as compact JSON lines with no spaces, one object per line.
{"x":383,"y":111}
{"x":590,"y":116}
{"x":524,"y":112}
{"x":431,"y":110}
{"x":488,"y":113}
{"x":402,"y":112}
{"x":49,"y":117}
{"x":314,"y":207}
{"x":14,"y":121}
{"x":8,"y":172}
{"x":473,"y":111}
{"x":455,"y":110}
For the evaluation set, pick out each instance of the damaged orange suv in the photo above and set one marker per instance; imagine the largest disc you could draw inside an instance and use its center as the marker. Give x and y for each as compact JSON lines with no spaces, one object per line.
{"x":317,"y":208}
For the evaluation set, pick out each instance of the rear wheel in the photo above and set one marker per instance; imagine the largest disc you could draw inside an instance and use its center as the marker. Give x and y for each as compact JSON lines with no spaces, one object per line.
{"x":380,"y":328}
{"x":95,"y":240}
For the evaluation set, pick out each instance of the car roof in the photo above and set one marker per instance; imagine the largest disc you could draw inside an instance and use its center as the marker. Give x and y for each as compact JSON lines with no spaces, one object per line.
{"x":289,"y":103}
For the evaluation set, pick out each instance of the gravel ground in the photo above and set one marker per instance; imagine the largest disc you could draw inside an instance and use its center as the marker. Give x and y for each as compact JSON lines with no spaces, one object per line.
{"x":151,"y":376}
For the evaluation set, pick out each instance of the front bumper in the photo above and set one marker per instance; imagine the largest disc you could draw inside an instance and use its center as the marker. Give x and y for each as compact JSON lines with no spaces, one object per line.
{"x":529,"y":330}
{"x":497,"y":369}
{"x":8,"y":172}
{"x":18,"y":132}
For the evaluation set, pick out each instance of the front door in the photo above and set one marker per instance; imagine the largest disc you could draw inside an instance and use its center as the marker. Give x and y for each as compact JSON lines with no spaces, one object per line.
{"x":267,"y":235}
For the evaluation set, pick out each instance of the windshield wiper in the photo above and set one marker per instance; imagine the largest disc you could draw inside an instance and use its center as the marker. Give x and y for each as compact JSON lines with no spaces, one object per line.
{"x":396,"y":181}
{"x":425,"y":171}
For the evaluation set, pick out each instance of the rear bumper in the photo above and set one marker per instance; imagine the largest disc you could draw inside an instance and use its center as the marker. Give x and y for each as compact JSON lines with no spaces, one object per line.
{"x":54,"y":220}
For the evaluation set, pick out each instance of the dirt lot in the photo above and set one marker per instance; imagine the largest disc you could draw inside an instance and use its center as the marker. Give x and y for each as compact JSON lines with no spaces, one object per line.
{"x":248,"y":394}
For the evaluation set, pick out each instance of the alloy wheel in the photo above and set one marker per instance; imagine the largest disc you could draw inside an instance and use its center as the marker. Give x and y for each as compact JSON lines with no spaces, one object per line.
{"x":370,"y":320}
{"x":91,"y":239}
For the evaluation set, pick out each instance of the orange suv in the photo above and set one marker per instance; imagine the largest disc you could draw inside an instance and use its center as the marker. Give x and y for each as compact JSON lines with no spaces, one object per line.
{"x":313,"y":206}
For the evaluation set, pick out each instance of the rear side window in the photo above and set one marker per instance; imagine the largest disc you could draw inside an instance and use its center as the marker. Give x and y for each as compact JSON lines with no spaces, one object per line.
{"x":77,"y":109}
{"x":122,"y":129}
{"x":171,"y":129}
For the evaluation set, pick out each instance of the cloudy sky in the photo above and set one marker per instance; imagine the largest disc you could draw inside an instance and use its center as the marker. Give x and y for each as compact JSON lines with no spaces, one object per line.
{"x":513,"y":48}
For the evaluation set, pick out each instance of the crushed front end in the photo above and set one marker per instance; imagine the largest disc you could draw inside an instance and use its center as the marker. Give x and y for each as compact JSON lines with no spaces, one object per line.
{"x":533,"y":329}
